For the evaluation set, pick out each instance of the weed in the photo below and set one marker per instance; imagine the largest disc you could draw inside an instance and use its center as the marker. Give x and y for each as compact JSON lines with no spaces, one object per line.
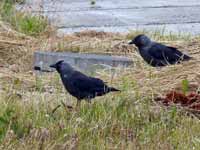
{"x":185,"y":86}
{"x":93,"y":2}
{"x":23,"y":22}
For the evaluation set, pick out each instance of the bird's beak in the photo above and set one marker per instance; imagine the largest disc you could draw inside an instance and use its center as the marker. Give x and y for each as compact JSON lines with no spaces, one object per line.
{"x":37,"y":68}
{"x":53,"y":66}
{"x":131,"y":42}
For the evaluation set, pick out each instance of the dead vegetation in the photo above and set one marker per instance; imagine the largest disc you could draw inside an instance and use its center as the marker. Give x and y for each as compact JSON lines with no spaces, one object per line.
{"x":14,"y":46}
{"x":17,"y":50}
{"x":130,"y":118}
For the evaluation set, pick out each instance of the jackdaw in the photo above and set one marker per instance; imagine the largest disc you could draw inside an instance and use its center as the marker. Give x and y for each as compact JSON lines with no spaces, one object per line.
{"x":80,"y":85}
{"x":157,"y":54}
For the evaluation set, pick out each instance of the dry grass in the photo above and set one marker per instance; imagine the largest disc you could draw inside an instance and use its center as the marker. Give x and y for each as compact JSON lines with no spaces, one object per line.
{"x":14,"y":46}
{"x":130,"y":119}
{"x":17,"y":50}
{"x":126,"y":120}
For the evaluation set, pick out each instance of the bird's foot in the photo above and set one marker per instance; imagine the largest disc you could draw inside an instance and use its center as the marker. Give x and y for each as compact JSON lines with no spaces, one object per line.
{"x":78,"y":105}
{"x":89,"y":103}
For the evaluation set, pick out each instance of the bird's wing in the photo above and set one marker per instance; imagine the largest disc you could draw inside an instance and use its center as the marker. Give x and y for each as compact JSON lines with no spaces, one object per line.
{"x":84,"y":83}
{"x":180,"y":55}
{"x":162,"y":52}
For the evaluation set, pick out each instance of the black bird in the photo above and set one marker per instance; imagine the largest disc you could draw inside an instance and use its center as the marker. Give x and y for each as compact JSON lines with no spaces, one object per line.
{"x":157,"y":54}
{"x":80,"y":85}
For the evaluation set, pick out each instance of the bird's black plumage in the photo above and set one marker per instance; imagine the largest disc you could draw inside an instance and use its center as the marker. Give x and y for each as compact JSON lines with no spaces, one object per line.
{"x":157,"y":54}
{"x":79,"y":85}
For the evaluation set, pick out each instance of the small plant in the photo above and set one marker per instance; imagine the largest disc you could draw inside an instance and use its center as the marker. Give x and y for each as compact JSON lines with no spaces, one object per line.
{"x":31,"y":25}
{"x":4,"y":122}
{"x":14,"y":1}
{"x":20,"y":1}
{"x":25,"y":23}
{"x":93,"y":2}
{"x":185,"y":86}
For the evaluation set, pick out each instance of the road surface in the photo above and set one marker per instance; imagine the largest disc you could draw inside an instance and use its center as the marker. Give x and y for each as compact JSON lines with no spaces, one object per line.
{"x":179,"y":16}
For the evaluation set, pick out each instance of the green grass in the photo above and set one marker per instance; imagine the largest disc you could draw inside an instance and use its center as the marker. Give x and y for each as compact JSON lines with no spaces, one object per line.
{"x":126,"y":120}
{"x":123,"y":120}
{"x":23,"y":22}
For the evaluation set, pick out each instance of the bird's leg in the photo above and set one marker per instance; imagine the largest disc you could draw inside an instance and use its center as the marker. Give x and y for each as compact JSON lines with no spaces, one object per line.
{"x":78,"y":104}
{"x":89,"y":102}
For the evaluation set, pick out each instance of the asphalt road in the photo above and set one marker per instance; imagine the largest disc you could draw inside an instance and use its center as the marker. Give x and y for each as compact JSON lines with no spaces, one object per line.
{"x":120,"y":15}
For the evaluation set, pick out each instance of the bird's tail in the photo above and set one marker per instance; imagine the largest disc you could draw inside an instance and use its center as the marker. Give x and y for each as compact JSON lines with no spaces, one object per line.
{"x":186,"y":57}
{"x":112,"y":89}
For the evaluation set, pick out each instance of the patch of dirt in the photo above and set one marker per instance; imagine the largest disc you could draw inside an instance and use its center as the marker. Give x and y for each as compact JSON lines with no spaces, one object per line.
{"x":180,"y":98}
{"x":189,"y":101}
